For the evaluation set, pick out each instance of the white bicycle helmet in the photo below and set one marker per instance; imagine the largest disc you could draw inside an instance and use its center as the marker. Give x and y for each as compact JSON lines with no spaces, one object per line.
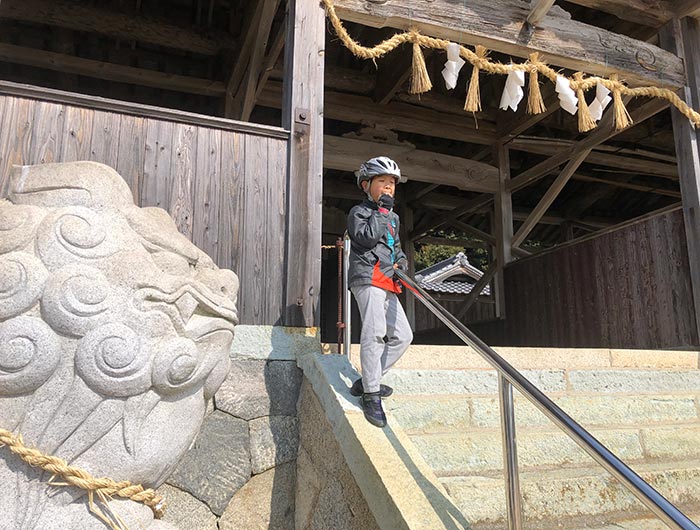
{"x":381,"y":165}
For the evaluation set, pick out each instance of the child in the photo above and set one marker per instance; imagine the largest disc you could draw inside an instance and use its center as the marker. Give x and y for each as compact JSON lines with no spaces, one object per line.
{"x":374,"y":254}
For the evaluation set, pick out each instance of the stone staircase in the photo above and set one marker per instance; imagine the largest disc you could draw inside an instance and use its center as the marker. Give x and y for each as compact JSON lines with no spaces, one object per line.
{"x":643,"y":405}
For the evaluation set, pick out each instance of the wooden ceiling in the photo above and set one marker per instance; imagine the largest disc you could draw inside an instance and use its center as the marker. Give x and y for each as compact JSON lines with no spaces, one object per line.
{"x":223,"y":58}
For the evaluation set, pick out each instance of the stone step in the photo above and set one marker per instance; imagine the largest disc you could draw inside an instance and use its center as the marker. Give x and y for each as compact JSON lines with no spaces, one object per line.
{"x":481,"y":452}
{"x":463,"y":412}
{"x":430,"y":357}
{"x":562,"y":498}
{"x":613,"y":380}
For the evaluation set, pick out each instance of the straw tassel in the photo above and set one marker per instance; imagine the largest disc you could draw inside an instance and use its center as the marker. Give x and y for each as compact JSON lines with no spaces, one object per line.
{"x":535,"y":103}
{"x":473,"y":101}
{"x":585,"y":120}
{"x":420,"y":80}
{"x":621,"y":116}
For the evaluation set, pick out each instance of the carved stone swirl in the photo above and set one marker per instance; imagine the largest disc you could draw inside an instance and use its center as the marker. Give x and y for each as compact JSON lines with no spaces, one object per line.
{"x":77,"y":234}
{"x":17,"y":225}
{"x":76,"y":299}
{"x":177,"y":366}
{"x":29,"y":354}
{"x":114,"y":361}
{"x":22,"y":279}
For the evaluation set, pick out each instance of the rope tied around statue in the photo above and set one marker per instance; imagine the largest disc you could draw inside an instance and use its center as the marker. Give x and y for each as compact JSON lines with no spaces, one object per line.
{"x":104,"y":488}
{"x":576,"y":84}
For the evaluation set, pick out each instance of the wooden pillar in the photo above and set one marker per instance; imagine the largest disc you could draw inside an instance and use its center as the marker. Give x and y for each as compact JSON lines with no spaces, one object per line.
{"x":683,"y":38}
{"x":409,"y":249}
{"x":303,"y":116}
{"x":503,"y":225}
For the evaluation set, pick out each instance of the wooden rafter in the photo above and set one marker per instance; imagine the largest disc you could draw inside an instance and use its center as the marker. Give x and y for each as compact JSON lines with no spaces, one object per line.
{"x":87,"y":18}
{"x":548,"y":198}
{"x":604,"y":132}
{"x":111,"y":72}
{"x":242,"y":84}
{"x":442,"y":201}
{"x":538,"y":10}
{"x":395,"y":116}
{"x":473,"y":296}
{"x":521,"y":122}
{"x":499,"y":26}
{"x":627,"y":185}
{"x":270,"y":60}
{"x":654,"y":14}
{"x":435,"y":222}
{"x":392,"y":74}
{"x":619,"y":159}
{"x":687,"y":8}
{"x":419,"y":120}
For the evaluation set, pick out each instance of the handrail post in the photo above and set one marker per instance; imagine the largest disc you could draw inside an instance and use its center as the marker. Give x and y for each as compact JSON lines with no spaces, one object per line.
{"x":346,"y":296}
{"x":510,"y":455}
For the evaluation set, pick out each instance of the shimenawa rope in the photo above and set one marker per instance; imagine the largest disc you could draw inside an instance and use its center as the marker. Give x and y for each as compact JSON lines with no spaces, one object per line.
{"x":104,"y":488}
{"x":420,"y":80}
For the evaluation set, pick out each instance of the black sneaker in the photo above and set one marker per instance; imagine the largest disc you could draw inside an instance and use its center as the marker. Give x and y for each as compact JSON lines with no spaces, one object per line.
{"x":372,"y":407}
{"x":357,"y":389}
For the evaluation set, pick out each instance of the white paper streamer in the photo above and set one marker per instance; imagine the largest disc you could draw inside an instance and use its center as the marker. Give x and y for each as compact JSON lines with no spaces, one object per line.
{"x":513,"y":91}
{"x":602,"y":100}
{"x":567,"y":97}
{"x":453,"y":65}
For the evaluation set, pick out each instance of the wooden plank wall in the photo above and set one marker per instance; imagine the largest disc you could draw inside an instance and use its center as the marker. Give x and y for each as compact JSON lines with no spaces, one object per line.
{"x":626,"y":289}
{"x":224,"y":189}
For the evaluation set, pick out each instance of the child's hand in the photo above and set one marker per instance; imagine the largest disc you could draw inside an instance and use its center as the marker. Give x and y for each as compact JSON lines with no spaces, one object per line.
{"x":385,"y":201}
{"x":402,"y":264}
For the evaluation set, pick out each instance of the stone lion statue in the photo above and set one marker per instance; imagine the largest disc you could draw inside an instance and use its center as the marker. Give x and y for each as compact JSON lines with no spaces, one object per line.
{"x":115,"y":330}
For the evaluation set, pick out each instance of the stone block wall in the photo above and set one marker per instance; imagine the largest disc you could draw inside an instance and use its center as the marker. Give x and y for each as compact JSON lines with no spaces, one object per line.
{"x":327,"y":496}
{"x":241,"y":471}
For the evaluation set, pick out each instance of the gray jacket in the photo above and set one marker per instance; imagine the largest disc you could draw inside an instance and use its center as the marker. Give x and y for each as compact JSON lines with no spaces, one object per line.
{"x":375,"y":246}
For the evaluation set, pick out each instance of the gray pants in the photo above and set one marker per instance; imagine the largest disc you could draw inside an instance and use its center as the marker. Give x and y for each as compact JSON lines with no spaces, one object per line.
{"x":382,"y":315}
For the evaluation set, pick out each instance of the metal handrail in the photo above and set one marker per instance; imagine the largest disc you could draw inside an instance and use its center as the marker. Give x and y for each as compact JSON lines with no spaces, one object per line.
{"x":508,"y":375}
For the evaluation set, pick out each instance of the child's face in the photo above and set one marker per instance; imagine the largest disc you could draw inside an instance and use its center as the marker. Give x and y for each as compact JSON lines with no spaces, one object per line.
{"x":380,"y":185}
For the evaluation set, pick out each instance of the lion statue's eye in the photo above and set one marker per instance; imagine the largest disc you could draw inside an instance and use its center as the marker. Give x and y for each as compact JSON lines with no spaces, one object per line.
{"x":172,"y":263}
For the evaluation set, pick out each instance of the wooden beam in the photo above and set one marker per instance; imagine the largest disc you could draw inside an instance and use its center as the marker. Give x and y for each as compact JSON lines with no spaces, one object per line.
{"x":619,"y":158}
{"x":548,"y":198}
{"x":627,"y":185}
{"x":521,"y":122}
{"x":458,"y":242}
{"x":111,"y":72}
{"x":303,"y":116}
{"x":270,"y":60}
{"x":410,"y":118}
{"x":440,"y":220}
{"x":655,"y":13}
{"x":444,"y":201}
{"x":395,"y":116}
{"x":241,"y":96}
{"x":538,"y":10}
{"x":501,"y":26}
{"x":687,"y":8}
{"x":346,"y":154}
{"x":392,"y":73}
{"x":604,"y":132}
{"x":683,"y":37}
{"x":503,"y":221}
{"x":469,"y":229}
{"x":473,"y":296}
{"x":81,"y":17}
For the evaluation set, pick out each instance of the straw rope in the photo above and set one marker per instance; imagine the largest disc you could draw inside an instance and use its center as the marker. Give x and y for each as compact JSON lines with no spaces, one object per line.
{"x":104,"y":488}
{"x":533,"y":66}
